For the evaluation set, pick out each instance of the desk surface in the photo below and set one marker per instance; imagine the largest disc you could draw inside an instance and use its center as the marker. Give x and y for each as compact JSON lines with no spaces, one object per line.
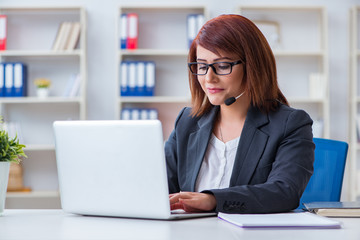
{"x":56,"y":224}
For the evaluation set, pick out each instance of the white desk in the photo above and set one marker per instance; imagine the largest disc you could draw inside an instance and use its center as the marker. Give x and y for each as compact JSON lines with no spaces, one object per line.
{"x":55,"y":224}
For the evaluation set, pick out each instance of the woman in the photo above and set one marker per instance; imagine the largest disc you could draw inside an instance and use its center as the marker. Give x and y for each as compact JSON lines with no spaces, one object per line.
{"x":254,"y":155}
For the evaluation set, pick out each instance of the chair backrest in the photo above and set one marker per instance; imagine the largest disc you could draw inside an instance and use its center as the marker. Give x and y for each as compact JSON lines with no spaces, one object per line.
{"x":326,"y":182}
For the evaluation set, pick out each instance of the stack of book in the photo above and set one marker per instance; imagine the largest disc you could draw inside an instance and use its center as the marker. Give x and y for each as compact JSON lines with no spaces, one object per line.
{"x":194,"y":24}
{"x":334,"y":209}
{"x":139,"y":114}
{"x":67,"y":36}
{"x":129,"y":31}
{"x":137,"y":78}
{"x":13,"y":79}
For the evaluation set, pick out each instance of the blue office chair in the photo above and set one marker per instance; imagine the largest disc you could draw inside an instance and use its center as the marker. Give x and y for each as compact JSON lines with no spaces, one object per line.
{"x":326,"y":182}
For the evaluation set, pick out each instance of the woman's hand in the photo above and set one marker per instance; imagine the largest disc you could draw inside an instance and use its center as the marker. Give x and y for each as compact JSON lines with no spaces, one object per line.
{"x":192,"y":201}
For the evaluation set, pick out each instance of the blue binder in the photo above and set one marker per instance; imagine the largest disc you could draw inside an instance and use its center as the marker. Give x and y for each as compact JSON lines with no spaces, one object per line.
{"x":123,"y":31}
{"x":132,"y":74}
{"x":9,"y":80}
{"x":137,"y":78}
{"x":2,"y":79}
{"x":191,"y":28}
{"x":140,"y":78}
{"x":150,"y":79}
{"x":19,"y":80}
{"x":139,"y":114}
{"x":124,"y":75}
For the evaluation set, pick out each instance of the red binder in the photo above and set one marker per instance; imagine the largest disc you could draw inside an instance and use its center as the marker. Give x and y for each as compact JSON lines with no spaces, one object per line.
{"x":132,"y":40}
{"x":3,"y":32}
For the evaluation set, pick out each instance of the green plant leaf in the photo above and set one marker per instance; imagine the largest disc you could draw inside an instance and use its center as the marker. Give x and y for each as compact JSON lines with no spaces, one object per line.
{"x":10,"y":148}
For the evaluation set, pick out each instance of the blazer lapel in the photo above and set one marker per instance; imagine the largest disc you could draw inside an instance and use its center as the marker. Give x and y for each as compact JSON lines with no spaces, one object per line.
{"x":250,"y":148}
{"x":196,"y":152}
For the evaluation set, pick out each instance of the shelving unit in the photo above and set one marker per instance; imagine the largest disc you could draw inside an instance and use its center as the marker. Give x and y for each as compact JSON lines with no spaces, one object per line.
{"x":354,"y":100}
{"x":162,"y":38}
{"x":298,"y":36}
{"x":31,"y":32}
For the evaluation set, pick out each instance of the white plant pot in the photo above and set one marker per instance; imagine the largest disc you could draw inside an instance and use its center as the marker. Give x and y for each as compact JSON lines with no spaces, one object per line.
{"x":4,"y":177}
{"x":42,"y":92}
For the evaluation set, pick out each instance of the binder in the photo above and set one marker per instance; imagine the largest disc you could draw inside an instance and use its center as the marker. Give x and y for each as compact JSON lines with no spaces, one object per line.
{"x":150,"y":78}
{"x":9,"y":77}
{"x":140,"y":83}
{"x":124,"y":75}
{"x":132,"y":39}
{"x":2,"y":80}
{"x":126,"y":114}
{"x":139,"y":114}
{"x":123,"y":31}
{"x":200,"y":20}
{"x":137,"y":78}
{"x":19,"y":80}
{"x":135,"y":114}
{"x":194,"y":24}
{"x":191,"y":27}
{"x":153,"y":114}
{"x":132,"y":79}
{"x":144,"y":115}
{"x":3,"y":32}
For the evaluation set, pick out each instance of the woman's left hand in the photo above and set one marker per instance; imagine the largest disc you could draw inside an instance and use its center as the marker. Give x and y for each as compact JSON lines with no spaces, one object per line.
{"x":192,"y":201}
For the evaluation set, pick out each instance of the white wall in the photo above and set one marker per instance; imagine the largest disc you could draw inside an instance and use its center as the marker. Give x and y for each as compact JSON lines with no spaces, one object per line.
{"x":102,"y":16}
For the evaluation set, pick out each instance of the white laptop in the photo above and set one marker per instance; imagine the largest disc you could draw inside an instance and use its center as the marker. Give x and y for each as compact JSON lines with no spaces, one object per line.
{"x":114,"y":168}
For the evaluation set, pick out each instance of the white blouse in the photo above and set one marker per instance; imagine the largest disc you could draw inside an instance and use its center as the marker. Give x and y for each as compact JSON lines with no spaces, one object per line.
{"x":217,"y":166}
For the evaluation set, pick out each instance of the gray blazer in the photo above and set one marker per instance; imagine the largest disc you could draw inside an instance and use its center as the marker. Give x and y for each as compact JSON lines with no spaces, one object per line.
{"x":273,"y":164}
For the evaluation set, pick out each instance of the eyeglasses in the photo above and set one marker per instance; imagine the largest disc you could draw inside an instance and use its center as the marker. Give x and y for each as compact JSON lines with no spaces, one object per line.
{"x":219,"y":68}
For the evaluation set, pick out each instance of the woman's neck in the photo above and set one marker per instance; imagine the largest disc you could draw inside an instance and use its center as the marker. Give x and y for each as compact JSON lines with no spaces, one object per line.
{"x":231,"y":120}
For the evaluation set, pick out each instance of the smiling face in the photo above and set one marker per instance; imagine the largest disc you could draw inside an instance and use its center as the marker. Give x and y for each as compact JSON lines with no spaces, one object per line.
{"x":220,"y":87}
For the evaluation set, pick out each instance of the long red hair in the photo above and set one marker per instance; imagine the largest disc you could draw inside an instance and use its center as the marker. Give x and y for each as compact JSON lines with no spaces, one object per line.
{"x":237,"y":35}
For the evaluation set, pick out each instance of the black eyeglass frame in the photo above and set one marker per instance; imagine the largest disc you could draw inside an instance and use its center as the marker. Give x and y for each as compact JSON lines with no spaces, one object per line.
{"x":213,"y":68}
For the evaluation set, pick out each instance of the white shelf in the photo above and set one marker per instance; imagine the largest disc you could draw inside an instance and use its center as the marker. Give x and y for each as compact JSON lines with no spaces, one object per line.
{"x":33,"y":194}
{"x":306,"y":100}
{"x":281,"y":8}
{"x":40,"y":53}
{"x":301,"y":50}
{"x":31,"y":9}
{"x":354,"y":101}
{"x":39,"y":147}
{"x":289,"y":53}
{"x":158,"y":99}
{"x":154,"y":52}
{"x":48,"y":100}
{"x":169,"y":52}
{"x":161,"y":7}
{"x":31,"y":32}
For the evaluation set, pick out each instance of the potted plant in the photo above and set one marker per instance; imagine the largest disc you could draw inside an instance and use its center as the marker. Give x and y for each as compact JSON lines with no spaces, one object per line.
{"x":42,"y":87}
{"x":10,"y":151}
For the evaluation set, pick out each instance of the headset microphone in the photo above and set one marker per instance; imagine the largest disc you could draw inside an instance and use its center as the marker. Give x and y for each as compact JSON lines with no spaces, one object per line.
{"x":231,"y":100}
